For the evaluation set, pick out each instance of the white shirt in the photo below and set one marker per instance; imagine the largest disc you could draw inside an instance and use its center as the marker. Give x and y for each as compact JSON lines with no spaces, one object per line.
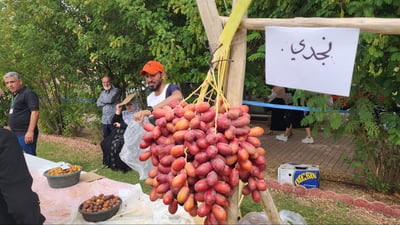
{"x":153,"y":100}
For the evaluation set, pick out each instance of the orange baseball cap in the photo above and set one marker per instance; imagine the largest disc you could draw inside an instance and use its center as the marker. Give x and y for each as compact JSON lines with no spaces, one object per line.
{"x":152,"y":67}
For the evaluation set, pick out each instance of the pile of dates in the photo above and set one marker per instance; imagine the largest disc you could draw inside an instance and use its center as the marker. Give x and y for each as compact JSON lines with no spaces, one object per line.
{"x":57,"y":171}
{"x":99,"y":203}
{"x":200,"y":154}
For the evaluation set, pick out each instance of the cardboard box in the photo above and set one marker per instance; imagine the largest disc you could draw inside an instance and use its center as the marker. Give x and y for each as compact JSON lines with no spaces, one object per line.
{"x":299,"y":174}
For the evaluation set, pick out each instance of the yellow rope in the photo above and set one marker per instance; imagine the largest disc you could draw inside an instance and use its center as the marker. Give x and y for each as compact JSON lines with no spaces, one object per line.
{"x":212,"y":86}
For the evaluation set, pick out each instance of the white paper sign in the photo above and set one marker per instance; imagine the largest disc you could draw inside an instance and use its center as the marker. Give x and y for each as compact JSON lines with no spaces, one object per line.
{"x":313,"y":59}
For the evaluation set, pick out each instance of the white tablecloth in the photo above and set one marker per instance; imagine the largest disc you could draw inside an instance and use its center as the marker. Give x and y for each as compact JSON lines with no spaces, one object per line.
{"x":60,"y":206}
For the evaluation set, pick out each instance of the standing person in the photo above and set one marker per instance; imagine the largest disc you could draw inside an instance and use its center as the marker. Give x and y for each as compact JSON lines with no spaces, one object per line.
{"x":24,"y":112}
{"x":277,"y":96}
{"x":162,"y":93}
{"x":108,"y":99}
{"x":294,"y":117}
{"x":293,"y":120}
{"x":18,"y":203}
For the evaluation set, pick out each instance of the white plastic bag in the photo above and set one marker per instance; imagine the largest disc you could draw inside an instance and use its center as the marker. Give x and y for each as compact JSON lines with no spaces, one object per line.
{"x":290,"y":217}
{"x":287,"y":217}
{"x":130,"y":150}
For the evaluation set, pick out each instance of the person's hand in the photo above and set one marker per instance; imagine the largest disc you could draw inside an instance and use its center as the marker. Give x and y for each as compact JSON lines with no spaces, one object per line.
{"x":29,"y":137}
{"x":116,"y":124}
{"x":118,"y":108}
{"x":139,"y":116}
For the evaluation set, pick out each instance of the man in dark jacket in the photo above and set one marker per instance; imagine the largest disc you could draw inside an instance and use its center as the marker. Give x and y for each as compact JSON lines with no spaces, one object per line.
{"x":18,"y":203}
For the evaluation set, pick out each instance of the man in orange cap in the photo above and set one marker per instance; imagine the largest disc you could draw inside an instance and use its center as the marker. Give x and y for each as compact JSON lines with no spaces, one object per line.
{"x":161,"y":93}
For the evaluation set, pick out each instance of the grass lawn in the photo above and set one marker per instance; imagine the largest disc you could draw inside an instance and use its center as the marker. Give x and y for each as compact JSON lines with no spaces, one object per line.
{"x":314,"y":211}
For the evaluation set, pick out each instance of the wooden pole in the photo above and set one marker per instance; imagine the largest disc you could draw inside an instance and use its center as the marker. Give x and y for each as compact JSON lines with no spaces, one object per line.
{"x":233,"y":88}
{"x":234,"y":94}
{"x":237,"y":68}
{"x":211,"y":22}
{"x":269,"y":208}
{"x":366,"y":24}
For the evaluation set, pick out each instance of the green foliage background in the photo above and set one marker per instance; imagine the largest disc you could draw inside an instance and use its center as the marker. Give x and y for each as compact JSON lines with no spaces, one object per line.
{"x":63,"y":48}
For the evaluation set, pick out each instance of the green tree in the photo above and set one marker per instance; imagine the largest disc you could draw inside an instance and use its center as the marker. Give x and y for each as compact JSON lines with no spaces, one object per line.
{"x":63,"y":48}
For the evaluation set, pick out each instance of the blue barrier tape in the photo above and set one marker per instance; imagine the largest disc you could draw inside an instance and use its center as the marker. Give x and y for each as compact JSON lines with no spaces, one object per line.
{"x":288,"y":107}
{"x":78,"y":100}
{"x":86,"y":100}
{"x":253,"y":103}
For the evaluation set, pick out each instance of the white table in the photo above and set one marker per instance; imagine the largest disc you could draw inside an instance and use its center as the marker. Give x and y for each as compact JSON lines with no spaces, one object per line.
{"x":60,"y":206}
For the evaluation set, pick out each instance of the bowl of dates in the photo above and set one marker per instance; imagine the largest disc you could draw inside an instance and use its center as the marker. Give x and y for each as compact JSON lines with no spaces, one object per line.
{"x":100,"y":207}
{"x":63,"y":176}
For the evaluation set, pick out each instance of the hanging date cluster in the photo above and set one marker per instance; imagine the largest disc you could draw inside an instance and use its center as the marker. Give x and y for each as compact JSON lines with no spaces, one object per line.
{"x":199,"y":156}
